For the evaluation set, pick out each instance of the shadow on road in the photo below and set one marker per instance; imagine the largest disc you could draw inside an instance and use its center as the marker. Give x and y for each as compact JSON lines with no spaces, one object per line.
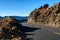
{"x":29,"y":29}
{"x":30,"y":39}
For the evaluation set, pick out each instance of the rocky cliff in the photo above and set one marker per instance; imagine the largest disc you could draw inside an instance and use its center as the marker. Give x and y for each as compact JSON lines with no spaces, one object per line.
{"x":46,"y":15}
{"x":11,"y":29}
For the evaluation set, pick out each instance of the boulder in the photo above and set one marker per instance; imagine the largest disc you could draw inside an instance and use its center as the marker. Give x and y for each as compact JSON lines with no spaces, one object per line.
{"x":11,"y":29}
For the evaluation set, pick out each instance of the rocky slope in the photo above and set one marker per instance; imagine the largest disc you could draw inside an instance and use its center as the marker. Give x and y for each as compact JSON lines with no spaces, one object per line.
{"x":46,"y":15}
{"x":10,"y":29}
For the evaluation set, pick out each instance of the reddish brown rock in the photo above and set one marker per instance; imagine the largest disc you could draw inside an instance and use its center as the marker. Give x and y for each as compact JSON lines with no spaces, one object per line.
{"x":46,"y":15}
{"x":10,"y":29}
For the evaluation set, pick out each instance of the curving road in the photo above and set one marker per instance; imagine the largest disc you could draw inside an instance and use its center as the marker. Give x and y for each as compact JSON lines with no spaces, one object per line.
{"x":44,"y":33}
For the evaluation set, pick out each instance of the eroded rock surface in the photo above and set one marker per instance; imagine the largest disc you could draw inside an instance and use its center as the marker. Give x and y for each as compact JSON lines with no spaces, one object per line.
{"x":46,"y":15}
{"x":10,"y":29}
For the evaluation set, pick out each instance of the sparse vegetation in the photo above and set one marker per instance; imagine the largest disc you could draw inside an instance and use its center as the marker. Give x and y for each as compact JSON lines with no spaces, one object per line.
{"x":46,"y":15}
{"x":10,"y":29}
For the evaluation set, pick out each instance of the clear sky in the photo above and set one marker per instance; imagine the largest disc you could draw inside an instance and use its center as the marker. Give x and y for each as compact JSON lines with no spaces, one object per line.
{"x":21,"y":7}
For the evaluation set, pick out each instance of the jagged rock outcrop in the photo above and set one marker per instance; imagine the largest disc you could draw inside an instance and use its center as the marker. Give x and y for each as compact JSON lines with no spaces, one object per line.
{"x":46,"y":15}
{"x":10,"y":29}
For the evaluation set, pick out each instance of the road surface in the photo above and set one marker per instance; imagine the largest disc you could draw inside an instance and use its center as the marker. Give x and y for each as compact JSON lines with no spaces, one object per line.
{"x":44,"y":33}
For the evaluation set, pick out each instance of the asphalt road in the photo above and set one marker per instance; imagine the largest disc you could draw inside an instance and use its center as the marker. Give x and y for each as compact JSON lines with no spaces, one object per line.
{"x":38,"y":32}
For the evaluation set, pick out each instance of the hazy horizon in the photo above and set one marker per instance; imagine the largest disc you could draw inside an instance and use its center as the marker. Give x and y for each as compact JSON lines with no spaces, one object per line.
{"x":22,"y":7}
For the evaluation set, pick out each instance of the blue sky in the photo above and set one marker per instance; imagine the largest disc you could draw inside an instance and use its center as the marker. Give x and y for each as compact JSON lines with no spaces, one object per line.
{"x":22,"y":7}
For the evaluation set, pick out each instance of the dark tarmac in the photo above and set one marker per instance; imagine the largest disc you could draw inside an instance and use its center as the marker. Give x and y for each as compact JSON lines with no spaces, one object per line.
{"x":38,"y":32}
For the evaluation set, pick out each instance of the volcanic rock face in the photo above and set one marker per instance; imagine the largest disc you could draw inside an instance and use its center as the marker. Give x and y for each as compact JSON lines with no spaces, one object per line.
{"x":10,"y":29}
{"x":46,"y":15}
